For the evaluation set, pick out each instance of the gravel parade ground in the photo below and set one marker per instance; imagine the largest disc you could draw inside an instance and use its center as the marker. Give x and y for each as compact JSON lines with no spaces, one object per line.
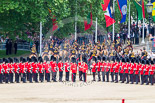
{"x":79,"y":92}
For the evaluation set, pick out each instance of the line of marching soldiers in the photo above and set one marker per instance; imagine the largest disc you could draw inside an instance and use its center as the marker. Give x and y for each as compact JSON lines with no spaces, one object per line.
{"x":130,"y":70}
{"x":36,"y":70}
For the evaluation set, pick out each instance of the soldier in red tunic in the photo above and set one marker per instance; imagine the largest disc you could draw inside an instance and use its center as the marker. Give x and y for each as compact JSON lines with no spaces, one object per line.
{"x":84,"y":69}
{"x":7,"y":70}
{"x":98,"y":66}
{"x":16,"y":69}
{"x":131,"y":71}
{"x":1,"y":71}
{"x":152,"y":70}
{"x":126,"y":68}
{"x":122,"y":70}
{"x":51,"y":62}
{"x":108,"y":68}
{"x":73,"y":69}
{"x":41,"y":69}
{"x":142,"y":71}
{"x":117,"y":68}
{"x":138,"y":66}
{"x":54,"y":66}
{"x":147,"y":72}
{"x":23,"y":70}
{"x":112,"y":66}
{"x":103,"y":69}
{"x":61,"y":68}
{"x":47,"y":67}
{"x":10,"y":65}
{"x":93,"y":66}
{"x":80,"y":69}
{"x":67,"y":68}
{"x":35,"y":70}
{"x":29,"y":70}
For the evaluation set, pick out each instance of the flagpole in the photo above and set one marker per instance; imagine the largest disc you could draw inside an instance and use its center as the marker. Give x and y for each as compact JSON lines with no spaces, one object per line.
{"x":143,"y":41}
{"x":113,"y":18}
{"x":40,"y":37}
{"x":96,"y":32}
{"x":129,"y":21}
{"x":76,"y":22}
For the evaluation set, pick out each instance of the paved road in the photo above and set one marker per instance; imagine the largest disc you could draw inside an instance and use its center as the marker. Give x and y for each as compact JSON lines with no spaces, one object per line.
{"x":92,"y":92}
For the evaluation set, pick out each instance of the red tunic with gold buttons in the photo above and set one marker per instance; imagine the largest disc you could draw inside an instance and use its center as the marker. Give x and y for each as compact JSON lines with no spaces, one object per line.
{"x":73,"y":67}
{"x":54,"y":67}
{"x":84,"y":68}
{"x":66,"y":67}
{"x":60,"y":65}
{"x":152,"y":69}
{"x":93,"y":67}
{"x":80,"y":66}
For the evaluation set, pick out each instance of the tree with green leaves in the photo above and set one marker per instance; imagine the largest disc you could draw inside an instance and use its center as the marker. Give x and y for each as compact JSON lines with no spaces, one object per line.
{"x":17,"y":17}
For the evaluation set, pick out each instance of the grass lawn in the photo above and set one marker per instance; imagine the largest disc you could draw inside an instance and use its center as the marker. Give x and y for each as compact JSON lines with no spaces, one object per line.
{"x":19,"y":53}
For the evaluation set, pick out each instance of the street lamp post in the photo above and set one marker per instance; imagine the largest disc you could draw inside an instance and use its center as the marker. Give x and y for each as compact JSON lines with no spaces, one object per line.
{"x":149,"y":7}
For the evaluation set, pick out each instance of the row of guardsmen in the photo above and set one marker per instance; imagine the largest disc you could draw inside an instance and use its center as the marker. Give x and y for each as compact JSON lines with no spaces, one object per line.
{"x":129,"y":70}
{"x":36,"y":70}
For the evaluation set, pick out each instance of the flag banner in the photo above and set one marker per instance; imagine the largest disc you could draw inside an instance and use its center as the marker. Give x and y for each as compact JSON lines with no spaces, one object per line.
{"x":122,"y":4}
{"x":152,"y":1}
{"x":89,"y":22}
{"x":143,"y":9}
{"x":108,"y":16}
{"x":153,"y":11}
{"x":138,"y":4}
{"x":54,"y":23}
{"x":49,"y":10}
{"x":105,"y":5}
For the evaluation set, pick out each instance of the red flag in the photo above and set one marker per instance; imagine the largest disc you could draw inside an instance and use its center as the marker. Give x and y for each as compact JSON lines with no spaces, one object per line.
{"x":108,"y":15}
{"x":143,"y":9}
{"x":109,"y":20}
{"x":54,"y":23}
{"x":105,"y":5}
{"x":88,"y":26}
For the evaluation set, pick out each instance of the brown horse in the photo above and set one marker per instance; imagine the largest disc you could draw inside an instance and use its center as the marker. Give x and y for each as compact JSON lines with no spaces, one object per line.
{"x":119,"y":49}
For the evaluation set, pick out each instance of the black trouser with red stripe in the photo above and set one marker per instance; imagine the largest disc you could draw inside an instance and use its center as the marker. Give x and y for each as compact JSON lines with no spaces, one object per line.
{"x":146,"y":78}
{"x":17,"y":77}
{"x":99,"y":77}
{"x":137,"y":78}
{"x":151,"y":79}
{"x":80,"y":75}
{"x":103,"y":76}
{"x":24,"y":77}
{"x":94,"y":76}
{"x":112,"y":77}
{"x":1,"y":78}
{"x":11,"y":77}
{"x":121,"y":77}
{"x":6,"y":77}
{"x":116,"y":77}
{"x":48,"y":77}
{"x":54,"y":76}
{"x":36,"y":77}
{"x":41,"y":75}
{"x":73,"y":77}
{"x":60,"y":75}
{"x":67,"y":76}
{"x":84,"y":77}
{"x":107,"y":75}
